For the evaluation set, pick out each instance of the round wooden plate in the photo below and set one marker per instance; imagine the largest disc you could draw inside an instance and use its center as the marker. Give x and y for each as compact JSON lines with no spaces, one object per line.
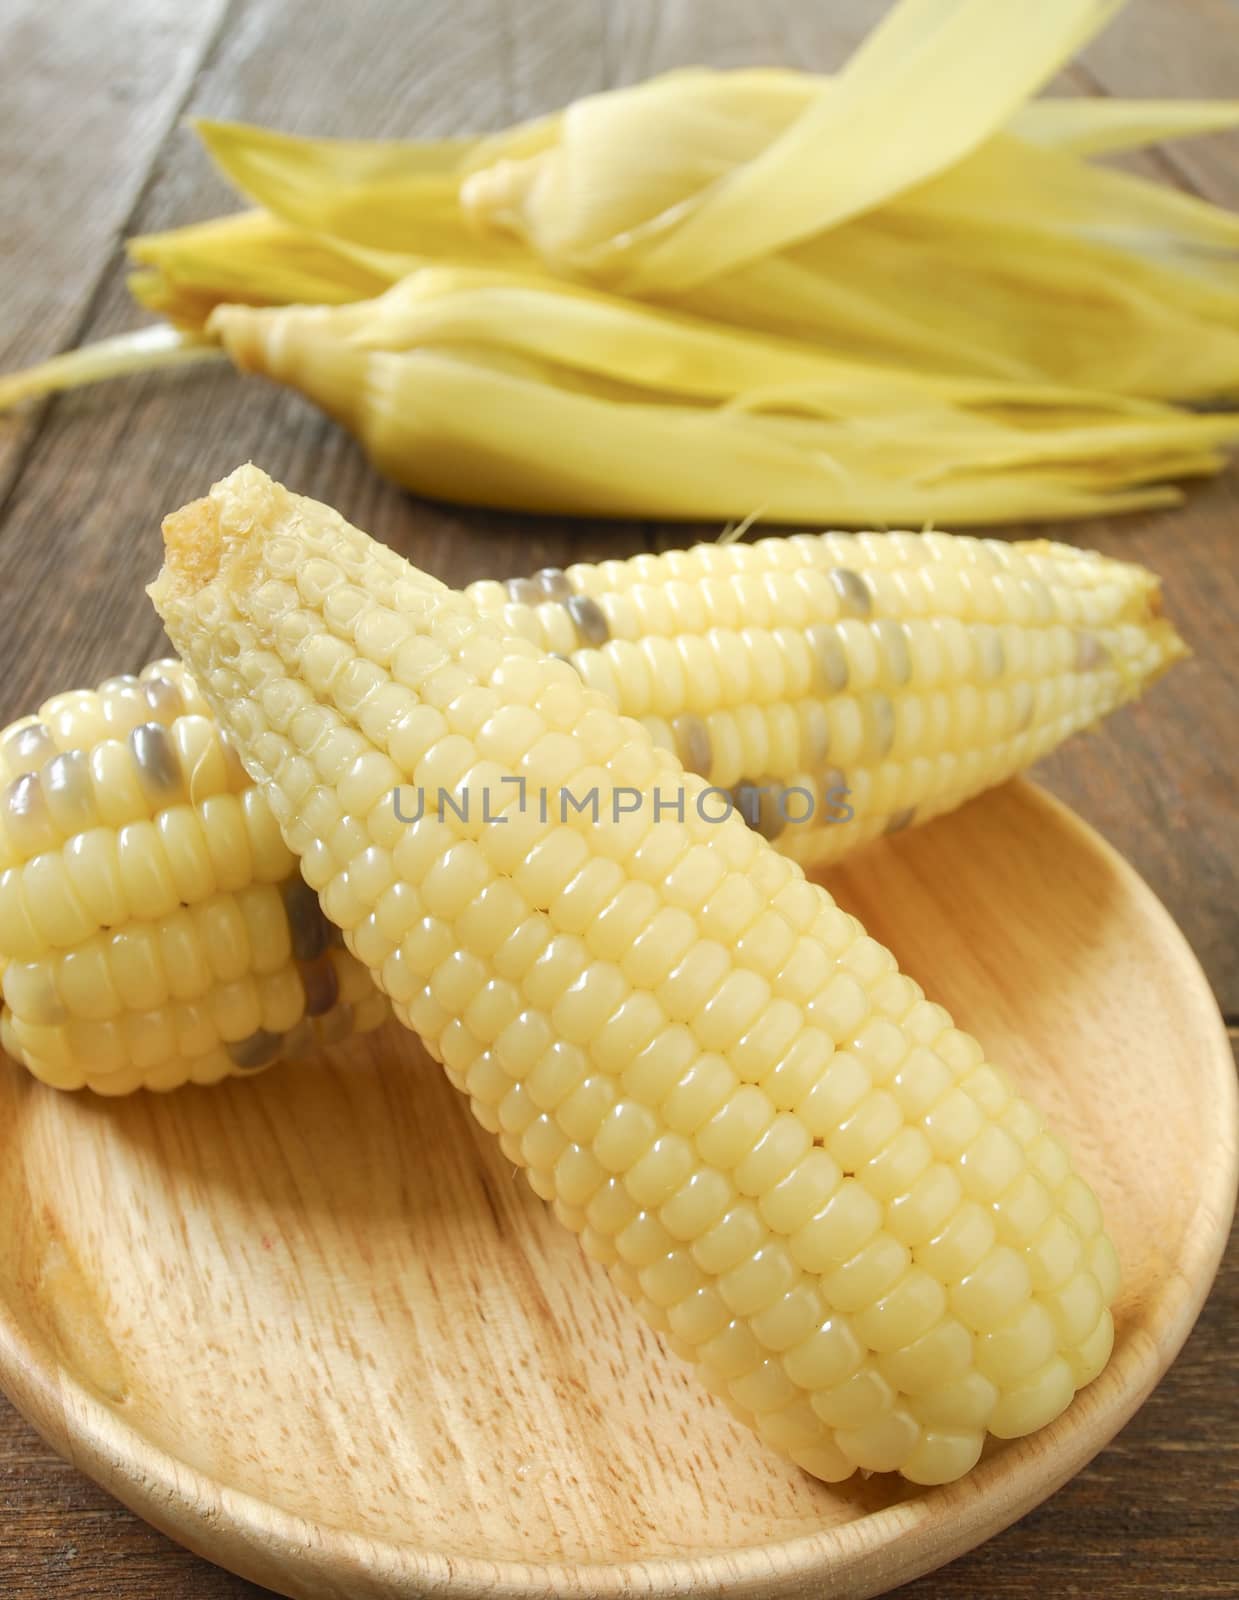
{"x":316,"y":1328}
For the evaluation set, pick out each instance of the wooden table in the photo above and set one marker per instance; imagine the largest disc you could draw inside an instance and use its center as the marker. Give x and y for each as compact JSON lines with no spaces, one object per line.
{"x":92,"y":122}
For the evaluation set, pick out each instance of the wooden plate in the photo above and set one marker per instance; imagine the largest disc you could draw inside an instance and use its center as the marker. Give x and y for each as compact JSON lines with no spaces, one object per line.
{"x":314,"y":1327}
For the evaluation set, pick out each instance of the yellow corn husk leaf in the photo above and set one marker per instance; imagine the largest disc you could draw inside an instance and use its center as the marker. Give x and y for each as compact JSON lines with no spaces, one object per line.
{"x":464,"y":426}
{"x":1019,"y":263}
{"x":729,"y":116}
{"x":337,"y":220}
{"x":489,"y":388}
{"x":612,"y":199}
{"x":1087,"y":127}
{"x":369,"y":191}
{"x":872,"y":288}
{"x":678,"y":355}
{"x":252,"y":258}
{"x":390,"y":196}
{"x":1157,"y":228}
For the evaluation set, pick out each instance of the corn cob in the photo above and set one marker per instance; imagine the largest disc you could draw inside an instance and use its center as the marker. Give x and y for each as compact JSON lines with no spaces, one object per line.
{"x":794,"y":1163}
{"x":154,"y":929}
{"x":889,"y":676}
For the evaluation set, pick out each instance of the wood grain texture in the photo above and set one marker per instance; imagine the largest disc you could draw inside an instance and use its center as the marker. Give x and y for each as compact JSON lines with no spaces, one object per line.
{"x":315,"y":1327}
{"x":86,"y":108}
{"x":94,"y":95}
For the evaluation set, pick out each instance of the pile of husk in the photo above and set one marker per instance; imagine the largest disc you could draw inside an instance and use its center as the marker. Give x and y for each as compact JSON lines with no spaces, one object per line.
{"x":905,"y":293}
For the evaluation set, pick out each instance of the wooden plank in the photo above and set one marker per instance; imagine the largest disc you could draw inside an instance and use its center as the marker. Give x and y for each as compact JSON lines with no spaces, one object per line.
{"x":86,"y":106}
{"x":64,"y":1538}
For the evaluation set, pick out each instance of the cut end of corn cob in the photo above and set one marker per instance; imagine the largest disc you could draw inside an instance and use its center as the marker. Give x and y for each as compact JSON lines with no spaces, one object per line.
{"x":199,"y":546}
{"x":793,"y":1162}
{"x":154,"y":929}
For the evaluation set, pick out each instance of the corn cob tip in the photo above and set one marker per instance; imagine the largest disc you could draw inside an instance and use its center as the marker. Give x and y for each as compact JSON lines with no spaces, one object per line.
{"x":215,"y":537}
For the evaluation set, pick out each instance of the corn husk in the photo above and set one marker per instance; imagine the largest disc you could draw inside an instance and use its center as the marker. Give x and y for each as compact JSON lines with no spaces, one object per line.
{"x":638,"y":192}
{"x":983,"y":272}
{"x":1106,"y":127}
{"x":252,"y":259}
{"x":1019,"y":260}
{"x":475,"y":385}
{"x":741,"y":293}
{"x":1021,"y":263}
